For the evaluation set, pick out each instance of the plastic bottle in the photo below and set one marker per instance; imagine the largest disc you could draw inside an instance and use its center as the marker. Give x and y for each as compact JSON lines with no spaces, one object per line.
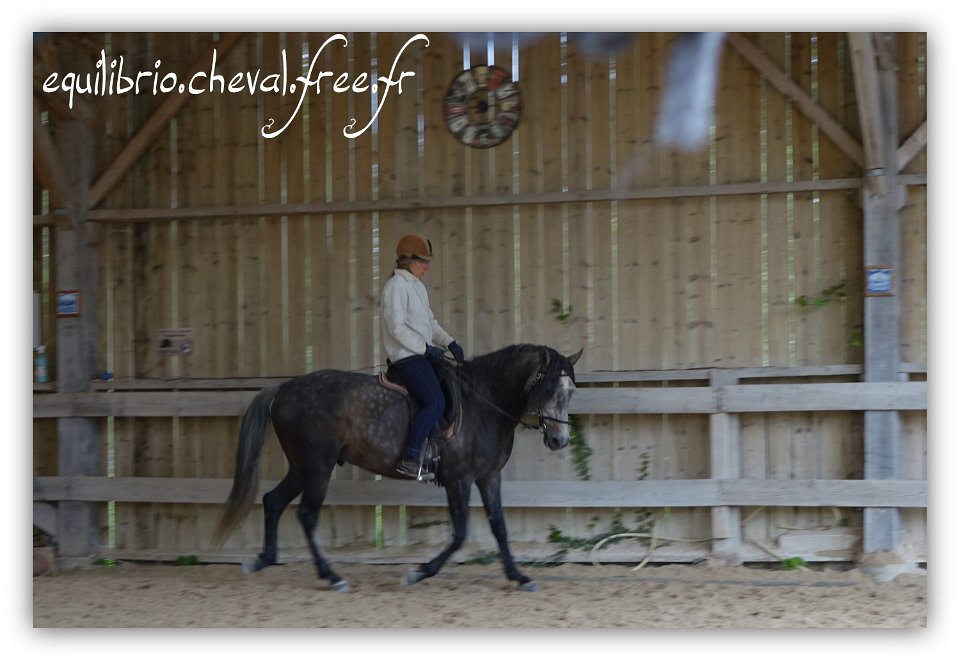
{"x":40,"y":366}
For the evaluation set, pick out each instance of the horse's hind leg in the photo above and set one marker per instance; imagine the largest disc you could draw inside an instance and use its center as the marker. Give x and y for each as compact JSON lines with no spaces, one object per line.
{"x":309,"y":514}
{"x":274,"y":503}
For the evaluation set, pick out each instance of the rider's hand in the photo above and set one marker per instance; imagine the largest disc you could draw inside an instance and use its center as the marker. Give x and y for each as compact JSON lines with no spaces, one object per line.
{"x":434,"y":354}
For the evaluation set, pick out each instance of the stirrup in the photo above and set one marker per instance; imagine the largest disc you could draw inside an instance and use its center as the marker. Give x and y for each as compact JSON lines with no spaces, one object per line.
{"x":421,"y":473}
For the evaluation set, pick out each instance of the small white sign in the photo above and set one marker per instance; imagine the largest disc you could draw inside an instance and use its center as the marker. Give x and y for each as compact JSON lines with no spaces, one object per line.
{"x":879,"y":281}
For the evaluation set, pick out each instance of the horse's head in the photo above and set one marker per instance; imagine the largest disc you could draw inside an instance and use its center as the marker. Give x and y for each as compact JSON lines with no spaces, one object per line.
{"x":554,"y":385}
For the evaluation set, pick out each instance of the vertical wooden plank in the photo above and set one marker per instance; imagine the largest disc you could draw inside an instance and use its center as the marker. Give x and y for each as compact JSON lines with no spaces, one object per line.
{"x":154,"y":435}
{"x":670,"y":308}
{"x":273,"y":305}
{"x":341,"y":161}
{"x":537,"y":63}
{"x":537,"y":58}
{"x":738,"y":229}
{"x":752,"y":464}
{"x":364,"y":300}
{"x":578,"y":176}
{"x":777,"y":230}
{"x":840,"y":225}
{"x":297,"y":239}
{"x":810,"y":274}
{"x":695,"y":248}
{"x":776,"y":220}
{"x":337,"y":523}
{"x":626,"y":151}
{"x":603,"y":311}
{"x":912,"y":112}
{"x":223,"y":249}
{"x":175,"y":525}
{"x":575,"y":237}
{"x":642,"y":218}
{"x":244,"y":165}
{"x":194,"y":283}
{"x":319,"y":154}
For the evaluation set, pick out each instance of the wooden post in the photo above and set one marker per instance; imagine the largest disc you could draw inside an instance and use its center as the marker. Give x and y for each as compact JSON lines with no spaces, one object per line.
{"x":881,"y":526}
{"x":77,"y":347}
{"x":725,"y":463}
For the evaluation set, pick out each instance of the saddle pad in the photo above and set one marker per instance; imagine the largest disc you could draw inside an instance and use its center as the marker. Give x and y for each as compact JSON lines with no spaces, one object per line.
{"x":385,"y":382}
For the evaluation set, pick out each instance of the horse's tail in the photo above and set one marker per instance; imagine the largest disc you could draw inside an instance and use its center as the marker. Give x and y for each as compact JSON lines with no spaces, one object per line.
{"x":246,"y":477}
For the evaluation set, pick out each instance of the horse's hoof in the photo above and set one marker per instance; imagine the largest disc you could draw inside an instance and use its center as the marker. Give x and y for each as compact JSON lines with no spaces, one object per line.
{"x":340,"y":586}
{"x":254,"y":564}
{"x":529,"y":587}
{"x":413,"y":576}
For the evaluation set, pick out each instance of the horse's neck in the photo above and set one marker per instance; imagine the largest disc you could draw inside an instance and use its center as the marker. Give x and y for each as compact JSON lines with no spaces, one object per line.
{"x":502,"y":382}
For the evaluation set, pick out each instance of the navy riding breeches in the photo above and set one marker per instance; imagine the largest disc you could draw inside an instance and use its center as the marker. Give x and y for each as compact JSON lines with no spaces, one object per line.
{"x":418,"y":376}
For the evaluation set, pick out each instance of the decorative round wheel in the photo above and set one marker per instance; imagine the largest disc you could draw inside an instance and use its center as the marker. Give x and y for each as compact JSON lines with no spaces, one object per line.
{"x":482,"y":106}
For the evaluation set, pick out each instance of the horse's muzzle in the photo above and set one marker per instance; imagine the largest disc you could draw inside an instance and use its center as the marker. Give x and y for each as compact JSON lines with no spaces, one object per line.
{"x":555,"y":440}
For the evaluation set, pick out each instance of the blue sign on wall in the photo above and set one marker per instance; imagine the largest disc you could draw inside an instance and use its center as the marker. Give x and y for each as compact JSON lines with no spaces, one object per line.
{"x":879,"y":281}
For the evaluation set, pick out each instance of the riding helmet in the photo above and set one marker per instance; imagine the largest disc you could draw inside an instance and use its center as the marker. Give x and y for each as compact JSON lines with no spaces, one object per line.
{"x":415,"y":245}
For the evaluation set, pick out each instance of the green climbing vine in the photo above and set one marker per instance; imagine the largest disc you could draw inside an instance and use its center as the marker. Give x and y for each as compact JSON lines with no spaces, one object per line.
{"x":580,"y":450}
{"x":836,"y":292}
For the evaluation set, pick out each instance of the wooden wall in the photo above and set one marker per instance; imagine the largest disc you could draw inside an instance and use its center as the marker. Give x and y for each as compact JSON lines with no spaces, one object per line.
{"x":669,"y":282}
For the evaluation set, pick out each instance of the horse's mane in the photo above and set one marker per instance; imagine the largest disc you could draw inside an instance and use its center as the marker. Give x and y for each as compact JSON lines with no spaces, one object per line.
{"x":514,"y":365}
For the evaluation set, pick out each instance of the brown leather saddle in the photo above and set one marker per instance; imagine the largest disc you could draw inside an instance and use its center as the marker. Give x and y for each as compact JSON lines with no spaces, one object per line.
{"x":449,"y":424}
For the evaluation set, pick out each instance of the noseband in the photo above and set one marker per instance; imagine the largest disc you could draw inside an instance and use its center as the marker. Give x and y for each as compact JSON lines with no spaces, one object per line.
{"x":541,"y":417}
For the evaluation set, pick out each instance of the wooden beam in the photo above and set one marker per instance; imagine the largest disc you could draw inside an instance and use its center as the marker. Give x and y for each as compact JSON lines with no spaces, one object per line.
{"x":583,"y":378}
{"x":47,"y":163}
{"x":725,"y":465}
{"x":516,"y":494}
{"x":460,"y":202}
{"x":912,"y":146}
{"x":881,"y":314}
{"x":785,"y":85}
{"x":156,"y":123}
{"x":866,"y":82}
{"x":78,"y":342}
{"x":859,"y":396}
{"x":625,"y":400}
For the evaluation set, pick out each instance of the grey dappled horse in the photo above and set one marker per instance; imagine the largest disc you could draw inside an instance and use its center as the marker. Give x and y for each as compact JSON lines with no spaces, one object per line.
{"x":330,"y":417}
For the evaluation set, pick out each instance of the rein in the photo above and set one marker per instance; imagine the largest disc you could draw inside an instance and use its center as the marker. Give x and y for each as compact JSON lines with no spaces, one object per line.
{"x":541,"y":417}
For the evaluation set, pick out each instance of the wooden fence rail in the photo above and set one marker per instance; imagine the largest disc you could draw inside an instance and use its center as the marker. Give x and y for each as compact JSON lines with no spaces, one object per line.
{"x":516,"y":494}
{"x":861,"y":396}
{"x":716,"y":393}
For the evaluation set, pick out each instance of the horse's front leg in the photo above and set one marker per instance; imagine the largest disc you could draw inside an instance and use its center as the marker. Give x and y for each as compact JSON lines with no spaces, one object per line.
{"x":490,"y":492}
{"x":458,"y":503}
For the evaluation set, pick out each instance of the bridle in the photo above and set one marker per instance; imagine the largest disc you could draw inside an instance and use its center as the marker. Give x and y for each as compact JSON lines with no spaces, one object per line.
{"x":542,"y":418}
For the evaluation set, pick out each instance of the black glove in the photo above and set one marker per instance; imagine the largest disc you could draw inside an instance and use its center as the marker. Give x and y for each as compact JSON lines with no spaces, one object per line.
{"x":434,"y":354}
{"x":457,"y":351}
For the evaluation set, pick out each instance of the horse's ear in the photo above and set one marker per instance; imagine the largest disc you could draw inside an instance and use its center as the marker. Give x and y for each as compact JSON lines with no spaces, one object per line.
{"x":574,"y":358}
{"x":544,"y":357}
